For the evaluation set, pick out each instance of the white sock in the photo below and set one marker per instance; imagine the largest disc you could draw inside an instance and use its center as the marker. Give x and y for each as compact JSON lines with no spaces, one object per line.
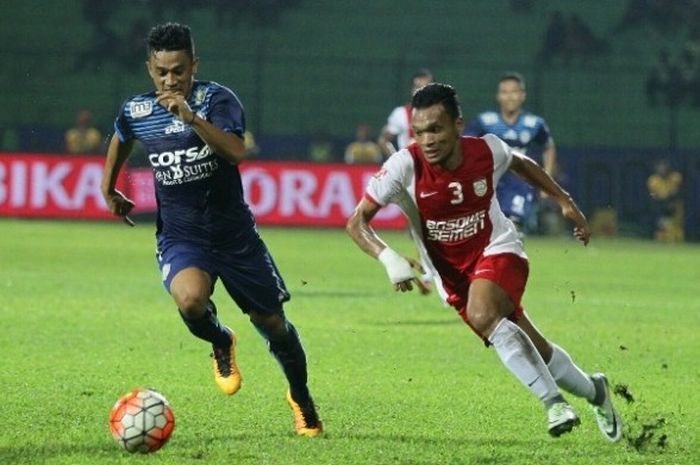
{"x":520,"y":356}
{"x":568,"y":376}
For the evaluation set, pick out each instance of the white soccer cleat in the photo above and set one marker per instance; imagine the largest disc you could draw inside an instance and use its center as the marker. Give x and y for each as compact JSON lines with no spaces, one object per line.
{"x":562,"y":419}
{"x":609,"y":421}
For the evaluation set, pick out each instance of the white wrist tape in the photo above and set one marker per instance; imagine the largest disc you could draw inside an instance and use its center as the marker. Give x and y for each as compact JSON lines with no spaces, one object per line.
{"x":396,"y":266}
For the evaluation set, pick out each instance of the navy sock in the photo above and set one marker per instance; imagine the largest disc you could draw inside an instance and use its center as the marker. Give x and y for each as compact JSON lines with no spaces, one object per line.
{"x":208,"y":327}
{"x":289,"y":352}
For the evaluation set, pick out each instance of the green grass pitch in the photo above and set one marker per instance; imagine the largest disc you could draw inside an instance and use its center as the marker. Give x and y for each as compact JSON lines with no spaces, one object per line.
{"x":398,"y":378}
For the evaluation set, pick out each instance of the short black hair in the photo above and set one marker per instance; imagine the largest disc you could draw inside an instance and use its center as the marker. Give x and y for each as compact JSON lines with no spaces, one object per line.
{"x":435,"y":93}
{"x":513,"y":76}
{"x":170,"y":37}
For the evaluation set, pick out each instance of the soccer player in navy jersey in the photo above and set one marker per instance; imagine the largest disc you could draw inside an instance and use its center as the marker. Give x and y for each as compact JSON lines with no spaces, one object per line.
{"x":521,"y":130}
{"x":192,"y":131}
{"x":445,"y":185}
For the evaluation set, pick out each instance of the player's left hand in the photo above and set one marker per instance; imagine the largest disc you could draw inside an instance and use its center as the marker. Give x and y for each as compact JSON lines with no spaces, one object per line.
{"x":176,"y":104}
{"x":571,"y":211}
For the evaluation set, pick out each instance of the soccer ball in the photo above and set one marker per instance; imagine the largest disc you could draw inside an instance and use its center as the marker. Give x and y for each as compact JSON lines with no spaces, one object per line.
{"x":142,"y":421}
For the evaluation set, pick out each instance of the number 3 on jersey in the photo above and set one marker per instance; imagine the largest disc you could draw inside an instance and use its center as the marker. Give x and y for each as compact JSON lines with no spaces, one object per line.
{"x":457,"y":195}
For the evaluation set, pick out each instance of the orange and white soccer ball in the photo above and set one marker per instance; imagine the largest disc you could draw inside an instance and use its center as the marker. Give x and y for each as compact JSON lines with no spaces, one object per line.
{"x":142,"y":421}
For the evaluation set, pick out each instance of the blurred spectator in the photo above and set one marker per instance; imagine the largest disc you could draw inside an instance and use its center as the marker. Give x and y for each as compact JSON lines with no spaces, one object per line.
{"x":664,"y":187}
{"x":398,"y":127}
{"x":84,"y":137}
{"x":664,"y":16}
{"x":10,"y":139}
{"x":133,"y":41}
{"x":554,"y":39}
{"x":664,"y":84}
{"x":580,"y":39}
{"x":570,"y":38}
{"x":251,"y":147}
{"x":321,"y":149}
{"x":521,"y":6}
{"x":363,"y":149}
{"x":688,"y":77}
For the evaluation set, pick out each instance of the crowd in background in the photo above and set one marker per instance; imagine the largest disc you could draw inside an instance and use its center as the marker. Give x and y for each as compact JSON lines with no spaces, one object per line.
{"x":566,"y":41}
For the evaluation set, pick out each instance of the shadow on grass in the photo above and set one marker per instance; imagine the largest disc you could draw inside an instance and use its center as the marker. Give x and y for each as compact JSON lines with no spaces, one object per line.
{"x":474,"y":449}
{"x":307,"y":293}
{"x":455,"y":321}
{"x":188,"y":447}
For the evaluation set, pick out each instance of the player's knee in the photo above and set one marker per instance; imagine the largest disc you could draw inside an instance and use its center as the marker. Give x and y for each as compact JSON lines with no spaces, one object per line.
{"x":271,"y":324}
{"x":482,"y":317}
{"x":192,"y":304}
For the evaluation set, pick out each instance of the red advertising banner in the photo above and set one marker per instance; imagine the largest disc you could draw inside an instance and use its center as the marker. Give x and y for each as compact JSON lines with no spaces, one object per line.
{"x":291,"y":194}
{"x":51,"y":186}
{"x":284,"y":193}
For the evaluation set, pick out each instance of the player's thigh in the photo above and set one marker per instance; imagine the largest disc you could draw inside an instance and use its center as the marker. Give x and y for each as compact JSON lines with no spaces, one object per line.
{"x":187,"y":275}
{"x":488,"y":303}
{"x":253,"y":281}
{"x":496,"y":290}
{"x":191,"y":288}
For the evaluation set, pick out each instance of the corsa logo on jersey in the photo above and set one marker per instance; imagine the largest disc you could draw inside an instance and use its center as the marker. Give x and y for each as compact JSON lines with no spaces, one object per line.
{"x":176,"y":157}
{"x":456,"y":229}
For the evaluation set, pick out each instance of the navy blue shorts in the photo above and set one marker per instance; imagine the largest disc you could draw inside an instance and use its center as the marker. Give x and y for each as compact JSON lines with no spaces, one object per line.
{"x":516,"y":198}
{"x":251,"y":278}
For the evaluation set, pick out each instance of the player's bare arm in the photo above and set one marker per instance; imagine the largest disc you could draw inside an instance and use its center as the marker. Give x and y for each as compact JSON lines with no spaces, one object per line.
{"x":549,"y":161}
{"x":225,"y":144}
{"x":533,"y":173}
{"x":118,"y":203}
{"x":400,"y":269}
{"x":549,"y":158}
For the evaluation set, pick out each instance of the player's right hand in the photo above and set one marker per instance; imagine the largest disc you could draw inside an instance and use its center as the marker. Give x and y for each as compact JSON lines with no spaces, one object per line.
{"x":120,"y":205}
{"x":398,"y":268}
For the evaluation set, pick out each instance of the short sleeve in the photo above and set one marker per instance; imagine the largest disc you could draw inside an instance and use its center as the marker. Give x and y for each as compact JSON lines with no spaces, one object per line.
{"x":502,"y":154}
{"x":397,"y":122}
{"x":391,"y":179}
{"x":227,"y":112}
{"x":122,"y":128}
{"x":543,"y":135}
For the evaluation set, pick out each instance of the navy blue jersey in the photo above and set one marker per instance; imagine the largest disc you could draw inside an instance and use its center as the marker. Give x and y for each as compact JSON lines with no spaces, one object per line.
{"x":199,"y":194}
{"x":529,"y":133}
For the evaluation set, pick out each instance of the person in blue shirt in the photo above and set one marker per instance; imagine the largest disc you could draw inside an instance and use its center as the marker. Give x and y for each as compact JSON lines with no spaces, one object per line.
{"x":524,"y":131}
{"x":192,"y":132}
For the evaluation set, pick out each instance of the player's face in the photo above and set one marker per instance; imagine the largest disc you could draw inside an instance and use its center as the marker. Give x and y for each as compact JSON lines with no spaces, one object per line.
{"x":510,"y":96}
{"x":436,"y":133}
{"x":172,"y":71}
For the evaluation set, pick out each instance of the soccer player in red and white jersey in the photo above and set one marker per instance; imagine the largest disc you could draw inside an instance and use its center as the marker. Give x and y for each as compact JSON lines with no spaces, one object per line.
{"x":398,"y":125}
{"x":445,"y":185}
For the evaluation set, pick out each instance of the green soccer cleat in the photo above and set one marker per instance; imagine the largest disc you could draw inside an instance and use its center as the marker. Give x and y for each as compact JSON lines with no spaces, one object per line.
{"x":609,"y":421}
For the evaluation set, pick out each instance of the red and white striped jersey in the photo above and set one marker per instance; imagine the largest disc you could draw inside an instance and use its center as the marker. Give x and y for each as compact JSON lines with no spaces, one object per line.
{"x":454,"y":215}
